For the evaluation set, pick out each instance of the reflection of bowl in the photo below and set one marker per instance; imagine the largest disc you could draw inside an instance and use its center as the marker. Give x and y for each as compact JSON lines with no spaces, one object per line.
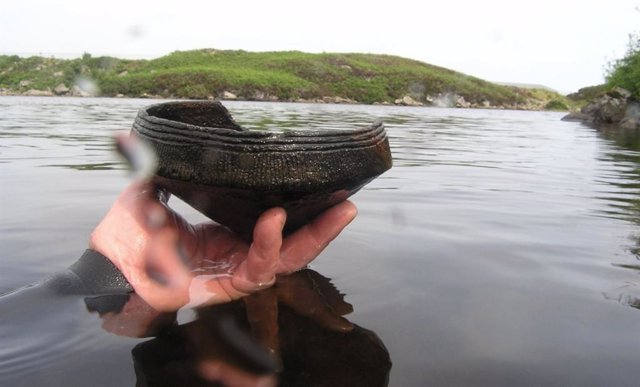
{"x":232,"y":175}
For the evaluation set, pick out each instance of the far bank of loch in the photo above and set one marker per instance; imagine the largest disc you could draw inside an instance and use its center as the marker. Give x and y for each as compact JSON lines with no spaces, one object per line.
{"x":289,"y":76}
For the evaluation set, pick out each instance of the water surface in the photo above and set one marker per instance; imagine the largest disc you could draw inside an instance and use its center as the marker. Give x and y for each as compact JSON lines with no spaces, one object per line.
{"x":499,"y":250}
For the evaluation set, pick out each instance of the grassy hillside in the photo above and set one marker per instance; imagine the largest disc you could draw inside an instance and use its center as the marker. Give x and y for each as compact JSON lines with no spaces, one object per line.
{"x":284,"y":76}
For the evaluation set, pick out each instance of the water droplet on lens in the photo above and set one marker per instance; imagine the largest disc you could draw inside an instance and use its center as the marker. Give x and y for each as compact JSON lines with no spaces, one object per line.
{"x":86,"y":87}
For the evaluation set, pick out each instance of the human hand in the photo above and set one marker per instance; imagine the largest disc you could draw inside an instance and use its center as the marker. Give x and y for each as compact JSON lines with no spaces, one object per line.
{"x":171,"y":263}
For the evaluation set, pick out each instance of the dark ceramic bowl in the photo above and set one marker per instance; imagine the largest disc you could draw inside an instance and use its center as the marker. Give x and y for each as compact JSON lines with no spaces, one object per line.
{"x":232,"y":175}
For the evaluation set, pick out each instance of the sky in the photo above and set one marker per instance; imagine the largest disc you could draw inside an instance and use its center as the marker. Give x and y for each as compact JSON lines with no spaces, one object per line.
{"x":562,"y":44}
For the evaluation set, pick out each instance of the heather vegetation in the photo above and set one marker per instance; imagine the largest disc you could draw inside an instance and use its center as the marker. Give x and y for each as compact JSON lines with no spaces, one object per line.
{"x":281,"y":76}
{"x":625,"y":72}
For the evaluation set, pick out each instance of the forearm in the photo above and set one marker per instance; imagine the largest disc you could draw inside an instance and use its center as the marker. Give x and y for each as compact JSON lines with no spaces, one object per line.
{"x":91,"y":274}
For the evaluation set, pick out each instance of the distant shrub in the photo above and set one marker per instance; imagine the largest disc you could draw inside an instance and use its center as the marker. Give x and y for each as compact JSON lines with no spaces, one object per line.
{"x":555,"y":104}
{"x":625,"y":72}
{"x":193,"y":91}
{"x":588,"y":93}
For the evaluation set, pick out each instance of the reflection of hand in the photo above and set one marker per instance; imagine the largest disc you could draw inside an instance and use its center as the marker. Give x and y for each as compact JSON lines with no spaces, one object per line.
{"x":211,"y":354}
{"x":136,"y":319}
{"x":311,"y":295}
{"x":308,"y":294}
{"x":171,"y":263}
{"x":194,"y":350}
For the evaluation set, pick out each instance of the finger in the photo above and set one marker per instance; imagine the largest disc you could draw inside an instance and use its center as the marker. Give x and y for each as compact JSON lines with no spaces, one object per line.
{"x":304,"y":245}
{"x":259,"y":269}
{"x":147,"y":205}
{"x":140,"y":157}
{"x":255,"y":272}
{"x":122,"y":235}
{"x":164,"y":297}
{"x":164,"y":279}
{"x":136,"y":190}
{"x":155,"y":216}
{"x":137,"y":199}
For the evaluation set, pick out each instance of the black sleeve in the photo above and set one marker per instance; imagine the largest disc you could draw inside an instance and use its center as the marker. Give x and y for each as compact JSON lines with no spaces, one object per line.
{"x":97,"y":275}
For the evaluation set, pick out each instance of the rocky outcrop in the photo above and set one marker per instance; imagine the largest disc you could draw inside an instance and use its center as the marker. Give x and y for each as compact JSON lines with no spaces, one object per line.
{"x":227,"y":95}
{"x":38,"y":93}
{"x":76,"y":91}
{"x":61,"y":89}
{"x":407,"y":100}
{"x":462,"y":103}
{"x":340,"y":100}
{"x":615,"y":107}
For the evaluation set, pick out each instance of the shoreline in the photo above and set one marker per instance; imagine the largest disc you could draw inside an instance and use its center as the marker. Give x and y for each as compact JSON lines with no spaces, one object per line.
{"x":449,"y":103}
{"x":615,"y":108}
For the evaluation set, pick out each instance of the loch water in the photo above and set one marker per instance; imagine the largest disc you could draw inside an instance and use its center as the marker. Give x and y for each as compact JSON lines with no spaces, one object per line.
{"x":501,"y":249}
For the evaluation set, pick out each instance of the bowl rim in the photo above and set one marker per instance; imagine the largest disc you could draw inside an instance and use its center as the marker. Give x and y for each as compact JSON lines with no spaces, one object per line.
{"x":181,"y":133}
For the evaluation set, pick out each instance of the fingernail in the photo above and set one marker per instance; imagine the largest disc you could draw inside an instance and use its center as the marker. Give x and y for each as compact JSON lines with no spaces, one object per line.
{"x":352,"y":211}
{"x":282,"y":214}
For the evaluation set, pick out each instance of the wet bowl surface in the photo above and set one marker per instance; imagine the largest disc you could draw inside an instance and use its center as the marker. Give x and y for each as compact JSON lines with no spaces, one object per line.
{"x":232,"y":175}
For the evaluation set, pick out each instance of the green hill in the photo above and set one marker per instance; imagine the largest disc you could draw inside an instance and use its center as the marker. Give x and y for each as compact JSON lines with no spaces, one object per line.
{"x":283,"y":76}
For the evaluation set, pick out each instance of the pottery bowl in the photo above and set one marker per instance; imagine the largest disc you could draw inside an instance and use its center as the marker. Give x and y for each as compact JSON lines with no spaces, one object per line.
{"x":232,"y":175}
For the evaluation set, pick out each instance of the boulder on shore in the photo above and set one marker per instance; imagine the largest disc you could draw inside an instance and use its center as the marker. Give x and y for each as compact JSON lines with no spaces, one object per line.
{"x":227,"y":95}
{"x":407,"y":100}
{"x":38,"y":93}
{"x":61,"y":89}
{"x":616,"y":107}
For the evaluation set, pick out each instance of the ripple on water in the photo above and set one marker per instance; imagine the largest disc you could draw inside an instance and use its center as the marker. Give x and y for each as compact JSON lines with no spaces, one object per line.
{"x":505,"y":241}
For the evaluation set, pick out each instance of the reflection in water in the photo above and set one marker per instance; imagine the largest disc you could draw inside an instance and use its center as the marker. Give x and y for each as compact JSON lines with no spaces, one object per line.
{"x":91,"y":167}
{"x":625,"y":177}
{"x":293,"y":332}
{"x":628,"y":294}
{"x":73,"y":133}
{"x":624,"y":199}
{"x":497,"y":232}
